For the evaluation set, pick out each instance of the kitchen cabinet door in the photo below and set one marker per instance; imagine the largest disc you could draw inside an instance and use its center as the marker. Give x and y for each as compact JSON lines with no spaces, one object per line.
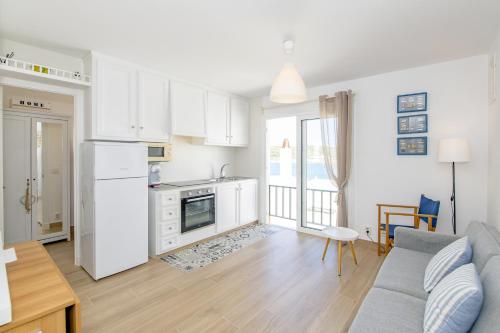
{"x":226,"y":207}
{"x":115,"y":99}
{"x":248,"y":204}
{"x":154,"y":117}
{"x":217,"y":119}
{"x":240,"y":122}
{"x":188,"y":109}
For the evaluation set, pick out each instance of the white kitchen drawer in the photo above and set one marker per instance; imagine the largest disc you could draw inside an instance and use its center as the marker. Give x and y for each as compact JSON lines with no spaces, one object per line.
{"x":168,"y":213}
{"x":168,"y":243}
{"x":167,"y":199}
{"x":165,"y":229}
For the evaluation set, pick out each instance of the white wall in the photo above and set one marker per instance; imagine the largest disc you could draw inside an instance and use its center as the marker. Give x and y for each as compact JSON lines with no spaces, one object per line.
{"x":192,"y":161}
{"x":494,"y":139}
{"x":457,"y":108}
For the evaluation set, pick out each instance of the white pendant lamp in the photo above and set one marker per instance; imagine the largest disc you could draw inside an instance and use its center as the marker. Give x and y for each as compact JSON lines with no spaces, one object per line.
{"x":288,"y":87}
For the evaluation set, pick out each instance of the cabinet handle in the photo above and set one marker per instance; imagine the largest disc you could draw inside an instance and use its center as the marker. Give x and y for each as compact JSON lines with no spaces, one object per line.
{"x":142,"y":127}
{"x":132,"y":126}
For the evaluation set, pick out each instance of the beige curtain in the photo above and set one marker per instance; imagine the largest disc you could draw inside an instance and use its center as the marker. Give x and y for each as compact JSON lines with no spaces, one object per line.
{"x":336,"y":134}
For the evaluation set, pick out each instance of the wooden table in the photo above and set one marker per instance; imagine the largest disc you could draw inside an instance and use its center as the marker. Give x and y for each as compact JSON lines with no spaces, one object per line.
{"x":42,"y":300}
{"x":341,"y":234}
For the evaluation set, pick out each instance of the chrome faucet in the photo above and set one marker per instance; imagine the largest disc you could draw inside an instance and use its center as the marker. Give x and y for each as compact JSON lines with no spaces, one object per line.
{"x":222,"y":173}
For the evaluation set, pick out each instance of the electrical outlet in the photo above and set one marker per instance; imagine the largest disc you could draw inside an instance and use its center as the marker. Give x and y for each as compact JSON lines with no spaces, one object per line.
{"x":368,"y":231}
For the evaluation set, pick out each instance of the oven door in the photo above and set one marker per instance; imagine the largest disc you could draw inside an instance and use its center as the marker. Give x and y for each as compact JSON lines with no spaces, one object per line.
{"x":197,"y":212}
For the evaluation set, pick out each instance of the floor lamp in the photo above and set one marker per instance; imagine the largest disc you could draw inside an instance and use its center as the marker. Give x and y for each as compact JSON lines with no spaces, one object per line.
{"x":454,"y":151}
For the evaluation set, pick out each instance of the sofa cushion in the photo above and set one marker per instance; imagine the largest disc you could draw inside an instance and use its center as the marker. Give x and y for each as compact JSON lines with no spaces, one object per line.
{"x":484,"y":244}
{"x":446,"y":261}
{"x":489,"y":317}
{"x":455,"y":302}
{"x":386,"y":311}
{"x":403,"y":270}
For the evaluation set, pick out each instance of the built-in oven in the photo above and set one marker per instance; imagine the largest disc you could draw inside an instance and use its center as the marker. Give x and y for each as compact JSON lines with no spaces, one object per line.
{"x":197,"y":209}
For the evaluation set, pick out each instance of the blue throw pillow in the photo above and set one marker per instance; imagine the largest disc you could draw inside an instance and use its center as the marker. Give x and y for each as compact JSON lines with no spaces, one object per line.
{"x":454,"y":304}
{"x":446,"y":261}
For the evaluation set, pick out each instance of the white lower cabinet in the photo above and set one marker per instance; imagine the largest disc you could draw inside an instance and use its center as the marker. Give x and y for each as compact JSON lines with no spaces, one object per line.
{"x":236,"y":205}
{"x":226,"y":215}
{"x":164,"y":221}
{"x":248,"y":202}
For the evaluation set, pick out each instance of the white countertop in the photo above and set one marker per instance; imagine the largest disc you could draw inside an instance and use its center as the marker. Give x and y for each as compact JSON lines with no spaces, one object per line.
{"x":166,"y":187}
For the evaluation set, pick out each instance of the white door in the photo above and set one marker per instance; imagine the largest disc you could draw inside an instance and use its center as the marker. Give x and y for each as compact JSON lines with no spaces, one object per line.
{"x":217,"y":118}
{"x":154,"y":118}
{"x":50,"y":178}
{"x":17,"y":178}
{"x":240,"y":122}
{"x":248,"y":202}
{"x":115,"y":89}
{"x":121,"y":225}
{"x":227,"y":199}
{"x":188,"y":109}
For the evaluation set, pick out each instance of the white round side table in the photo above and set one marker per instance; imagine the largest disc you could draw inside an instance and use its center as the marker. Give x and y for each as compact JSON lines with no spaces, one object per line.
{"x":340,"y":234}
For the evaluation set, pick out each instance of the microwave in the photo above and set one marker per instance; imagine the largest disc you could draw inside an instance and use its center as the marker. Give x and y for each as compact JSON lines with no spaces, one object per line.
{"x":159,"y":152}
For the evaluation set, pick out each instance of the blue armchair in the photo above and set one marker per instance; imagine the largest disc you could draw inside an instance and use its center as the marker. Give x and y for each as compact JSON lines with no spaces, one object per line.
{"x":426,"y":211}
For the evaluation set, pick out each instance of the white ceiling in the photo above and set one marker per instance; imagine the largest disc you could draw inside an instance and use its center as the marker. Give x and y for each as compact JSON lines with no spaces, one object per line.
{"x":236,"y":45}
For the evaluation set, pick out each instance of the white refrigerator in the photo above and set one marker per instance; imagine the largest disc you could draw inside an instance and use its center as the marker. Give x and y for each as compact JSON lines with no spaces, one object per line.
{"x":114,"y":232}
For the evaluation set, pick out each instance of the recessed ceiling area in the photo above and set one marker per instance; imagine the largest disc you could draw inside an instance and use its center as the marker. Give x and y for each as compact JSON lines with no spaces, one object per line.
{"x":236,"y":46}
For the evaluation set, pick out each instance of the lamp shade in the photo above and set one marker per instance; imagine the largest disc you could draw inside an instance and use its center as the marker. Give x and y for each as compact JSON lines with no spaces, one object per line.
{"x":454,"y":150}
{"x":288,"y":87}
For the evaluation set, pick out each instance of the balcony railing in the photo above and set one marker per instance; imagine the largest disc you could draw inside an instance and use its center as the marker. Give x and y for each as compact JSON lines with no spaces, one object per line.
{"x":320,"y":205}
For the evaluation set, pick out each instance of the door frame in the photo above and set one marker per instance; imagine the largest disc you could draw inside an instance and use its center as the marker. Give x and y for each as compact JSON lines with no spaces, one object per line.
{"x":65,"y":232}
{"x":277,"y":113}
{"x":78,"y":95}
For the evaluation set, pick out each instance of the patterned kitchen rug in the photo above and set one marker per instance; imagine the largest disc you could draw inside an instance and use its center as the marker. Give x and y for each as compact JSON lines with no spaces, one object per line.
{"x":205,"y":253}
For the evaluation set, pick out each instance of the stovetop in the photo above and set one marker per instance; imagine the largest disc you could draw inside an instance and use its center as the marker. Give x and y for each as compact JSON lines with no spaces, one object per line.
{"x":189,"y":183}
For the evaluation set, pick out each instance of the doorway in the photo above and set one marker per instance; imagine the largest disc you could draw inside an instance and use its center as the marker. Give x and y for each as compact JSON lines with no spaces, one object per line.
{"x":297,"y":180}
{"x":36,"y":178}
{"x":282,"y":171}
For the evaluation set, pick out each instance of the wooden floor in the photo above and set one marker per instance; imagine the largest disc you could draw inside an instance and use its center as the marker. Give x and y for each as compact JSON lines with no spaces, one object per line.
{"x":278,"y":284}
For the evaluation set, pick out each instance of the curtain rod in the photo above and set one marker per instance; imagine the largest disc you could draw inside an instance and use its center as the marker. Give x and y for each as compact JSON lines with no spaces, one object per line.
{"x":278,"y":106}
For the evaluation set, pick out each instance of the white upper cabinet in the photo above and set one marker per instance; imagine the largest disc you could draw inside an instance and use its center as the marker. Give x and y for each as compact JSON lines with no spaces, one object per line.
{"x":128,"y":103}
{"x":240,"y":122}
{"x":114,"y":100}
{"x":154,"y":116}
{"x":228,"y":121}
{"x":187,"y":104}
{"x":217,"y":119}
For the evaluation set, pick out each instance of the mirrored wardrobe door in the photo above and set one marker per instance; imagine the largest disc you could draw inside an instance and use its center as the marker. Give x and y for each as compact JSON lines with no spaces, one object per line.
{"x":50,"y":180}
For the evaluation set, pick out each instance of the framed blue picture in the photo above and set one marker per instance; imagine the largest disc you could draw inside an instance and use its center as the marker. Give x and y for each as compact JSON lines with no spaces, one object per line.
{"x":412,"y":124}
{"x":416,"y":145}
{"x":412,"y":102}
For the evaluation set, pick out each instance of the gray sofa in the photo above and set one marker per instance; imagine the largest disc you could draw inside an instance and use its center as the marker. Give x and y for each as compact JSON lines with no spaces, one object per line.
{"x":396,"y":302}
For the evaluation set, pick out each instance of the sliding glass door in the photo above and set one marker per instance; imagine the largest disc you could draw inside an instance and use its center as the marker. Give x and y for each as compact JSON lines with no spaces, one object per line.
{"x":318,"y":194}
{"x":298,"y":183}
